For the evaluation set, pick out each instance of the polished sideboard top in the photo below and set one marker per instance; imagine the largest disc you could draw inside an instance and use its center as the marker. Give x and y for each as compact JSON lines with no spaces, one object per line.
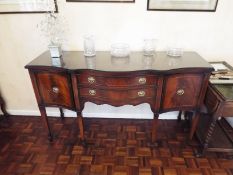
{"x":75,"y":60}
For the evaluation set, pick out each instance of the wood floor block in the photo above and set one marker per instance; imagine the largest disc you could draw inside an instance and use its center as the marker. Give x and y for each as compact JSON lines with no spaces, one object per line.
{"x":178,"y":162}
{"x":155,"y":162}
{"x":170,"y":171}
{"x":143,"y":151}
{"x":203,"y":163}
{"x":115,"y":147}
{"x":72,"y":169}
{"x":63,"y":159}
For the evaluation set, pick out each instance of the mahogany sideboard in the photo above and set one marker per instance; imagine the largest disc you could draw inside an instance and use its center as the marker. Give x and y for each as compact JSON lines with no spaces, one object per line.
{"x":165,"y":83}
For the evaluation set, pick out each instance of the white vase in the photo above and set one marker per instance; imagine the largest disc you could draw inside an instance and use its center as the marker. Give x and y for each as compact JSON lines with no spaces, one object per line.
{"x":57,"y":62}
{"x":55,"y":51}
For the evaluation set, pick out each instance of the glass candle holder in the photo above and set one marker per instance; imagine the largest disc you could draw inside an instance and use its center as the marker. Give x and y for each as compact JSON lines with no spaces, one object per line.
{"x":89,"y":45}
{"x":120,"y":50}
{"x":149,"y":47}
{"x":174,"y":51}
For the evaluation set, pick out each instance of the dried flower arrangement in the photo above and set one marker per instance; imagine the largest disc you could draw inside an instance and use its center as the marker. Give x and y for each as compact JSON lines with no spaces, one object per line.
{"x":53,"y":27}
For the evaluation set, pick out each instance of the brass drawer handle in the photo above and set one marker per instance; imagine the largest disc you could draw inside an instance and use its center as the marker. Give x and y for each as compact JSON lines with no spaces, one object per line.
{"x":142,"y":80}
{"x":91,"y":80}
{"x":141,"y":93}
{"x":92,"y":92}
{"x":55,"y":89}
{"x":180,"y":92}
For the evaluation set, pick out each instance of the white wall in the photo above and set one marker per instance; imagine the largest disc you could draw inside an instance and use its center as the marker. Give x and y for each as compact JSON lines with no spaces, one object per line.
{"x":210,"y":34}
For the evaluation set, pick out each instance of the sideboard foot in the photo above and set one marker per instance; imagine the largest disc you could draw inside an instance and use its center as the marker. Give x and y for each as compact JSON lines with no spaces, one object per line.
{"x":199,"y":154}
{"x":83,"y":142}
{"x":50,"y":138}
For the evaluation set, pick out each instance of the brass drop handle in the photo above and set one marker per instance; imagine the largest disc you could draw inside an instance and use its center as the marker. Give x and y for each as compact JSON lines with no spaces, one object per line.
{"x":141,"y":93}
{"x":92,"y":92}
{"x":91,"y":80}
{"x":142,"y":80}
{"x":55,"y":89}
{"x":180,"y":92}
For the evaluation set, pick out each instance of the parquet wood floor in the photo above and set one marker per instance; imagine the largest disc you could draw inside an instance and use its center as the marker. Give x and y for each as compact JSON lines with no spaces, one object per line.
{"x":116,"y":147}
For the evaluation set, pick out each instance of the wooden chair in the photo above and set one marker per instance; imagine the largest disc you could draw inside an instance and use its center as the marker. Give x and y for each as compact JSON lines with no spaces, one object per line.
{"x":3,"y":107}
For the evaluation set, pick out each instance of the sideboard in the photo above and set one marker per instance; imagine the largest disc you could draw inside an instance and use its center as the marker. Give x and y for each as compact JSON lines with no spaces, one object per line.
{"x":165,"y":83}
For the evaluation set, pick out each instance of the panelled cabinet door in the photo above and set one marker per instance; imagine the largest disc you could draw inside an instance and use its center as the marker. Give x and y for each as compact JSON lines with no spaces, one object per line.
{"x":181,"y":91}
{"x":54,"y":89}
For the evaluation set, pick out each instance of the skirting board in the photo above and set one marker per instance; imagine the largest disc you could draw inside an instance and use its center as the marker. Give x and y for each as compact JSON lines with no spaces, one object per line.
{"x":141,"y":111}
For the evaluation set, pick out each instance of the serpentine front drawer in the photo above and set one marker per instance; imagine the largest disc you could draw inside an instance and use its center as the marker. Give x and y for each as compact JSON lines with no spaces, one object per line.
{"x":116,"y":97}
{"x":108,"y":80}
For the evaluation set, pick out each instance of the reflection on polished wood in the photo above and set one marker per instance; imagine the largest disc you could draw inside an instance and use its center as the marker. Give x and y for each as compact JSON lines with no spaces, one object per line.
{"x":165,"y":83}
{"x":74,"y":60}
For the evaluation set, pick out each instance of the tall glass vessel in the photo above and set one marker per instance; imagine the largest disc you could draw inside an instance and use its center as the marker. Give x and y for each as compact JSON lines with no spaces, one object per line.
{"x":89,"y":45}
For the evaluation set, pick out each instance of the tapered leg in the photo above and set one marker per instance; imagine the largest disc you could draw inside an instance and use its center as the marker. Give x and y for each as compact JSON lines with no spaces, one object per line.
{"x":154,"y":130}
{"x":179,"y":116}
{"x":195,"y":119}
{"x":46,"y":123}
{"x":61,"y":113}
{"x":81,"y":128}
{"x":187,"y":115}
{"x":187,"y":121}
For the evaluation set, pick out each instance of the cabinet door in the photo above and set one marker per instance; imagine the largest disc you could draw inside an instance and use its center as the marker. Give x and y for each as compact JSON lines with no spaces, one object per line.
{"x":54,"y":89}
{"x":181,"y":91}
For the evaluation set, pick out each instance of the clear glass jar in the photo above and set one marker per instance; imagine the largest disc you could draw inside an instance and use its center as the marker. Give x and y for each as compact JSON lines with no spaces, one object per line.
{"x":89,"y":45}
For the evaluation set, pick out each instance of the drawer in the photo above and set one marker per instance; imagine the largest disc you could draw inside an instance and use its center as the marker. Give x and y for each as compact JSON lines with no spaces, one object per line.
{"x":54,"y":89}
{"x":181,"y":91}
{"x":227,"y":109}
{"x":124,"y":81}
{"x":118,"y":95}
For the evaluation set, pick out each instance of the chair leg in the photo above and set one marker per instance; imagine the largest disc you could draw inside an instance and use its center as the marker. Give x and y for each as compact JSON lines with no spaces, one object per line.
{"x":3,"y":107}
